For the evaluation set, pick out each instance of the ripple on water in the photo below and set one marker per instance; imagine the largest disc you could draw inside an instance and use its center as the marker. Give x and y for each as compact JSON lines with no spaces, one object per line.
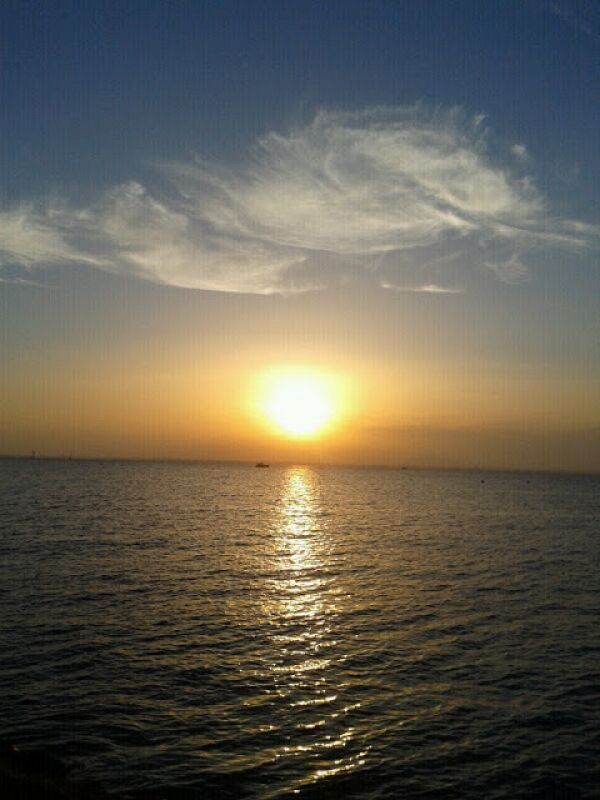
{"x":308,"y":632}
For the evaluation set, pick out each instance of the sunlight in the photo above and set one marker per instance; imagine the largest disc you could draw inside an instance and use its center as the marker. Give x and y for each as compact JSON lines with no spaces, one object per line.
{"x":299,"y":403}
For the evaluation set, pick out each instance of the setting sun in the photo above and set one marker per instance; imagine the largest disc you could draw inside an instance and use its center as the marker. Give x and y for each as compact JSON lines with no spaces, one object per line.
{"x":298,"y":403}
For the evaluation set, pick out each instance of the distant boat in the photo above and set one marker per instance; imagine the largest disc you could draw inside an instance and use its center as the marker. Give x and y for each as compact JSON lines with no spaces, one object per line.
{"x":262,"y":464}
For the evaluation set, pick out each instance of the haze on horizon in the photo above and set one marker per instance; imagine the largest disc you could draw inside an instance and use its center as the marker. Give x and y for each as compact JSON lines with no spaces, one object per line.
{"x":401,"y":200}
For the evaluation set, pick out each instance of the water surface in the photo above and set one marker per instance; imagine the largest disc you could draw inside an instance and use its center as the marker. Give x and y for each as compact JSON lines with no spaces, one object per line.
{"x":300,"y":631}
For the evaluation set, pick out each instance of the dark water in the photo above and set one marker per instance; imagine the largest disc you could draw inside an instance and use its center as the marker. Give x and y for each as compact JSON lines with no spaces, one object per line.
{"x":303,"y":632}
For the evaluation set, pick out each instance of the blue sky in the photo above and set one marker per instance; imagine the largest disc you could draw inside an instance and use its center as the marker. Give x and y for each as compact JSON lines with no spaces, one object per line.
{"x":432,"y":167}
{"x":91,"y":90}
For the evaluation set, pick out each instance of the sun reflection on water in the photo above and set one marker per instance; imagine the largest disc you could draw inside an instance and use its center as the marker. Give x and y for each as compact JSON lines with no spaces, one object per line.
{"x":302,"y":603}
{"x":300,"y":544}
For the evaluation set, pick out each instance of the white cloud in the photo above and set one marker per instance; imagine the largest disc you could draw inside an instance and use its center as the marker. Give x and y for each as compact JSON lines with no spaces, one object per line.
{"x":346,"y":186}
{"x":25,"y":282}
{"x":427,"y":288}
{"x":511,"y":270}
{"x":30,"y":236}
{"x":520,"y":152}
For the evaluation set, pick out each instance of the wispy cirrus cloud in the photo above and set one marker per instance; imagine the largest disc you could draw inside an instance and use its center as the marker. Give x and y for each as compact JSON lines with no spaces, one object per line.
{"x":25,"y":282}
{"x":379,"y":187}
{"x":427,"y":288}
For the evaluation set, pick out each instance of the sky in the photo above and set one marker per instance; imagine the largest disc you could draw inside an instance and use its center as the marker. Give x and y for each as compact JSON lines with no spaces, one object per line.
{"x":400,"y":197}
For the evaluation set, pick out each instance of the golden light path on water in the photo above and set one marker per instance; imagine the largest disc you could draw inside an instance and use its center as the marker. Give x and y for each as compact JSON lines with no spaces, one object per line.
{"x":302,"y":604}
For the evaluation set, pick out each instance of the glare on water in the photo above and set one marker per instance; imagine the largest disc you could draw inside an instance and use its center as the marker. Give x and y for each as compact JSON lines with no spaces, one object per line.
{"x":301,"y":605}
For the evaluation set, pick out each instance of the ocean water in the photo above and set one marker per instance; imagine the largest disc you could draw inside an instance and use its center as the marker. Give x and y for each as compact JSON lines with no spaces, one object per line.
{"x":216,"y":630}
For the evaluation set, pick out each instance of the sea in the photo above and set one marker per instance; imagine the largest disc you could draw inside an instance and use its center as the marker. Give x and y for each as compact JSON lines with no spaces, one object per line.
{"x":213,"y":630}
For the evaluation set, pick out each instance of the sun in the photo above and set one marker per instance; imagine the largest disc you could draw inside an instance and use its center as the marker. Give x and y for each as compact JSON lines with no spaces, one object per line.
{"x":299,"y":404}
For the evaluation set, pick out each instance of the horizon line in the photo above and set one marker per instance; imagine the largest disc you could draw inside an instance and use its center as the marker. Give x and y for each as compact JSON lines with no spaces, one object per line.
{"x":346,"y":465}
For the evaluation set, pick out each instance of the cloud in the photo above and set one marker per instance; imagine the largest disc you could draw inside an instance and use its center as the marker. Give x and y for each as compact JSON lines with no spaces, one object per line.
{"x":519,"y":151}
{"x":427,"y":288}
{"x":371,"y":188}
{"x":511,"y":270}
{"x":25,"y":282}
